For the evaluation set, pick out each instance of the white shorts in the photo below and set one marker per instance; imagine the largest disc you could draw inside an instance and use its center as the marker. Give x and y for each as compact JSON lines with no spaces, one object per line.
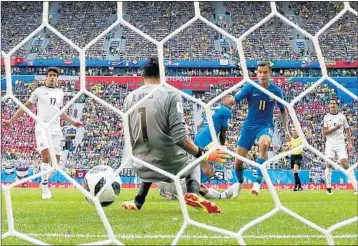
{"x":43,"y":144}
{"x":339,"y":152}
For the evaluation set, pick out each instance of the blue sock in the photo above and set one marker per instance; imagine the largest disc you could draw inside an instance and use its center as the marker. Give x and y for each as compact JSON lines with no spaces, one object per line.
{"x":240,"y":175}
{"x":259,"y":175}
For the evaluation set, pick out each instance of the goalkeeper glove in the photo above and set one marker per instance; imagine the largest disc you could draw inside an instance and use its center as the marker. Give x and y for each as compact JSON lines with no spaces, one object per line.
{"x":217,"y":155}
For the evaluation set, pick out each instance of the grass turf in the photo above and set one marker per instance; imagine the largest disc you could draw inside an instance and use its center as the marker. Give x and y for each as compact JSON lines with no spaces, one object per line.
{"x":69,"y":219}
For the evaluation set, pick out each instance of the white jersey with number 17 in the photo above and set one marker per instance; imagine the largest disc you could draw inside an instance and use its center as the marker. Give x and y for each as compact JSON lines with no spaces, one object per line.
{"x":49,"y":102}
{"x":336,"y":138}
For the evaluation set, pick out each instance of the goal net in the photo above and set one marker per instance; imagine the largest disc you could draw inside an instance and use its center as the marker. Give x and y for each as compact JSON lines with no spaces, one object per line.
{"x":160,"y":44}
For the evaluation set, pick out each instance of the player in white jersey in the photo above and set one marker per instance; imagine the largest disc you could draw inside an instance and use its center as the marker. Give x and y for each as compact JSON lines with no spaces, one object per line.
{"x":334,"y":125}
{"x":49,"y":100}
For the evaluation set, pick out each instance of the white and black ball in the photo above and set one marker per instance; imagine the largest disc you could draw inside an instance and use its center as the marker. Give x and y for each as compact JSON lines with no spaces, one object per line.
{"x":98,"y":177}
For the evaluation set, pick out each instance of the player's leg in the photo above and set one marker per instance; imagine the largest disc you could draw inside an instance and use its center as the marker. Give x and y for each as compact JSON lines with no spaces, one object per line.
{"x":328,"y":171}
{"x":328,"y":176}
{"x":264,"y":144}
{"x":169,"y":191}
{"x":292,"y":161}
{"x":139,"y":199}
{"x":192,"y":198}
{"x":43,"y":147}
{"x":211,"y":193}
{"x":239,"y":170}
{"x":44,"y":166}
{"x":296,"y":168}
{"x":244,"y":144}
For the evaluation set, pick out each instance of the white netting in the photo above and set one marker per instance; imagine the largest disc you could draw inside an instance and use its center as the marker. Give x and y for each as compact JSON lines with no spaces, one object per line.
{"x":187,"y":220}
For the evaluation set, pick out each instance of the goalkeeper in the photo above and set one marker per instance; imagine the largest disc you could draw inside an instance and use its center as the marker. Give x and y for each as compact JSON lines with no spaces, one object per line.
{"x":158,"y":136}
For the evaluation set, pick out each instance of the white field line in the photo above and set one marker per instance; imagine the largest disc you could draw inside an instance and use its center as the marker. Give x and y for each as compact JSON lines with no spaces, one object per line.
{"x":164,"y":202}
{"x":54,"y":235}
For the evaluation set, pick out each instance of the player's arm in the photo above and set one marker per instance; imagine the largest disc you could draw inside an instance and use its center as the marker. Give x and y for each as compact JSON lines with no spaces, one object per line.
{"x":349,"y":139}
{"x":223,"y":135}
{"x":200,"y":123}
{"x":67,"y":118}
{"x":243,"y":93}
{"x":20,"y":112}
{"x":178,"y":133}
{"x":327,"y":131}
{"x":349,"y":135}
{"x":284,"y":119}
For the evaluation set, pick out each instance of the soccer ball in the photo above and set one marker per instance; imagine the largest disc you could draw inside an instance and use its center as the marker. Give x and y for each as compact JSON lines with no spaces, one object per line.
{"x":96,"y":178}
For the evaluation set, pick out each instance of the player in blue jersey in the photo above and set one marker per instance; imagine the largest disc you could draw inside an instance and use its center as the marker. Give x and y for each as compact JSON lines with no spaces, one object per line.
{"x":258,"y":125}
{"x":221,"y":115}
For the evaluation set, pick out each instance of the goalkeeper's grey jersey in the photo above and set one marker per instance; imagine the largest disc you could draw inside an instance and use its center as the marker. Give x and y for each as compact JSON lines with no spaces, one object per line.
{"x":150,"y":127}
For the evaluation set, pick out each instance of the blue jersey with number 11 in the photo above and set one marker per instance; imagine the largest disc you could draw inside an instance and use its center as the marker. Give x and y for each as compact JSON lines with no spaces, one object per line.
{"x":261,"y":106}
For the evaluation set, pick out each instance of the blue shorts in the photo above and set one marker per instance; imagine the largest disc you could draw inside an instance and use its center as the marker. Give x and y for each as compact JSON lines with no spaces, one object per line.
{"x":202,"y":139}
{"x":250,"y":134}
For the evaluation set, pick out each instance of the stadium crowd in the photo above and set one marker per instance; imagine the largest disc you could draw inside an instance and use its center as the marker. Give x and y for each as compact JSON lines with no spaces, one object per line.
{"x":186,"y":72}
{"x":103,"y":136}
{"x":272,"y":41}
{"x":103,"y":141}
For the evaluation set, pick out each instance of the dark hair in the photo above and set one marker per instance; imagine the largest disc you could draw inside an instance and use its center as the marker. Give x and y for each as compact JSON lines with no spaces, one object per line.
{"x":334,"y":99}
{"x":265,"y":64}
{"x":151,"y":68}
{"x":52,"y":69}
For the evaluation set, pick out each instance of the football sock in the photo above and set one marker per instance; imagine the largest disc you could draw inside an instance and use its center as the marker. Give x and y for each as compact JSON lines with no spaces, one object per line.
{"x":44,"y":177}
{"x":328,"y":174}
{"x":143,"y":192}
{"x":297,"y":180}
{"x":259,"y":175}
{"x":213,"y":194}
{"x":240,"y":175}
{"x":192,"y":186}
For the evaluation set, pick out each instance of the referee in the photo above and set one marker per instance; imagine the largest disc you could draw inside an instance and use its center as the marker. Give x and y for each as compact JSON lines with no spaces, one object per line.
{"x":296,"y":158}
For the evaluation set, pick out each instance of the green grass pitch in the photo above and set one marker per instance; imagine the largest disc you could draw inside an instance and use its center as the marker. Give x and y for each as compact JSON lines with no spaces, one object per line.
{"x":69,"y":219}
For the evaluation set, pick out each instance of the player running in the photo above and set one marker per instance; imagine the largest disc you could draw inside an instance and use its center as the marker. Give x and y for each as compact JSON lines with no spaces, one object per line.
{"x":334,"y":124}
{"x":49,"y":100}
{"x":258,"y":125}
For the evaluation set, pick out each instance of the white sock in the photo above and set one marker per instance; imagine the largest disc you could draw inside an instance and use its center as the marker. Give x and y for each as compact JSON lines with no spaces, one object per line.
{"x":352,"y":179}
{"x":328,"y":174}
{"x":240,"y":186}
{"x":213,"y":194}
{"x":223,"y":195}
{"x":44,"y":177}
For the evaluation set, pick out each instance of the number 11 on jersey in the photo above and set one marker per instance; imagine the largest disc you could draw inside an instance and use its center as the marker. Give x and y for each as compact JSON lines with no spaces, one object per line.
{"x":262,"y":105}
